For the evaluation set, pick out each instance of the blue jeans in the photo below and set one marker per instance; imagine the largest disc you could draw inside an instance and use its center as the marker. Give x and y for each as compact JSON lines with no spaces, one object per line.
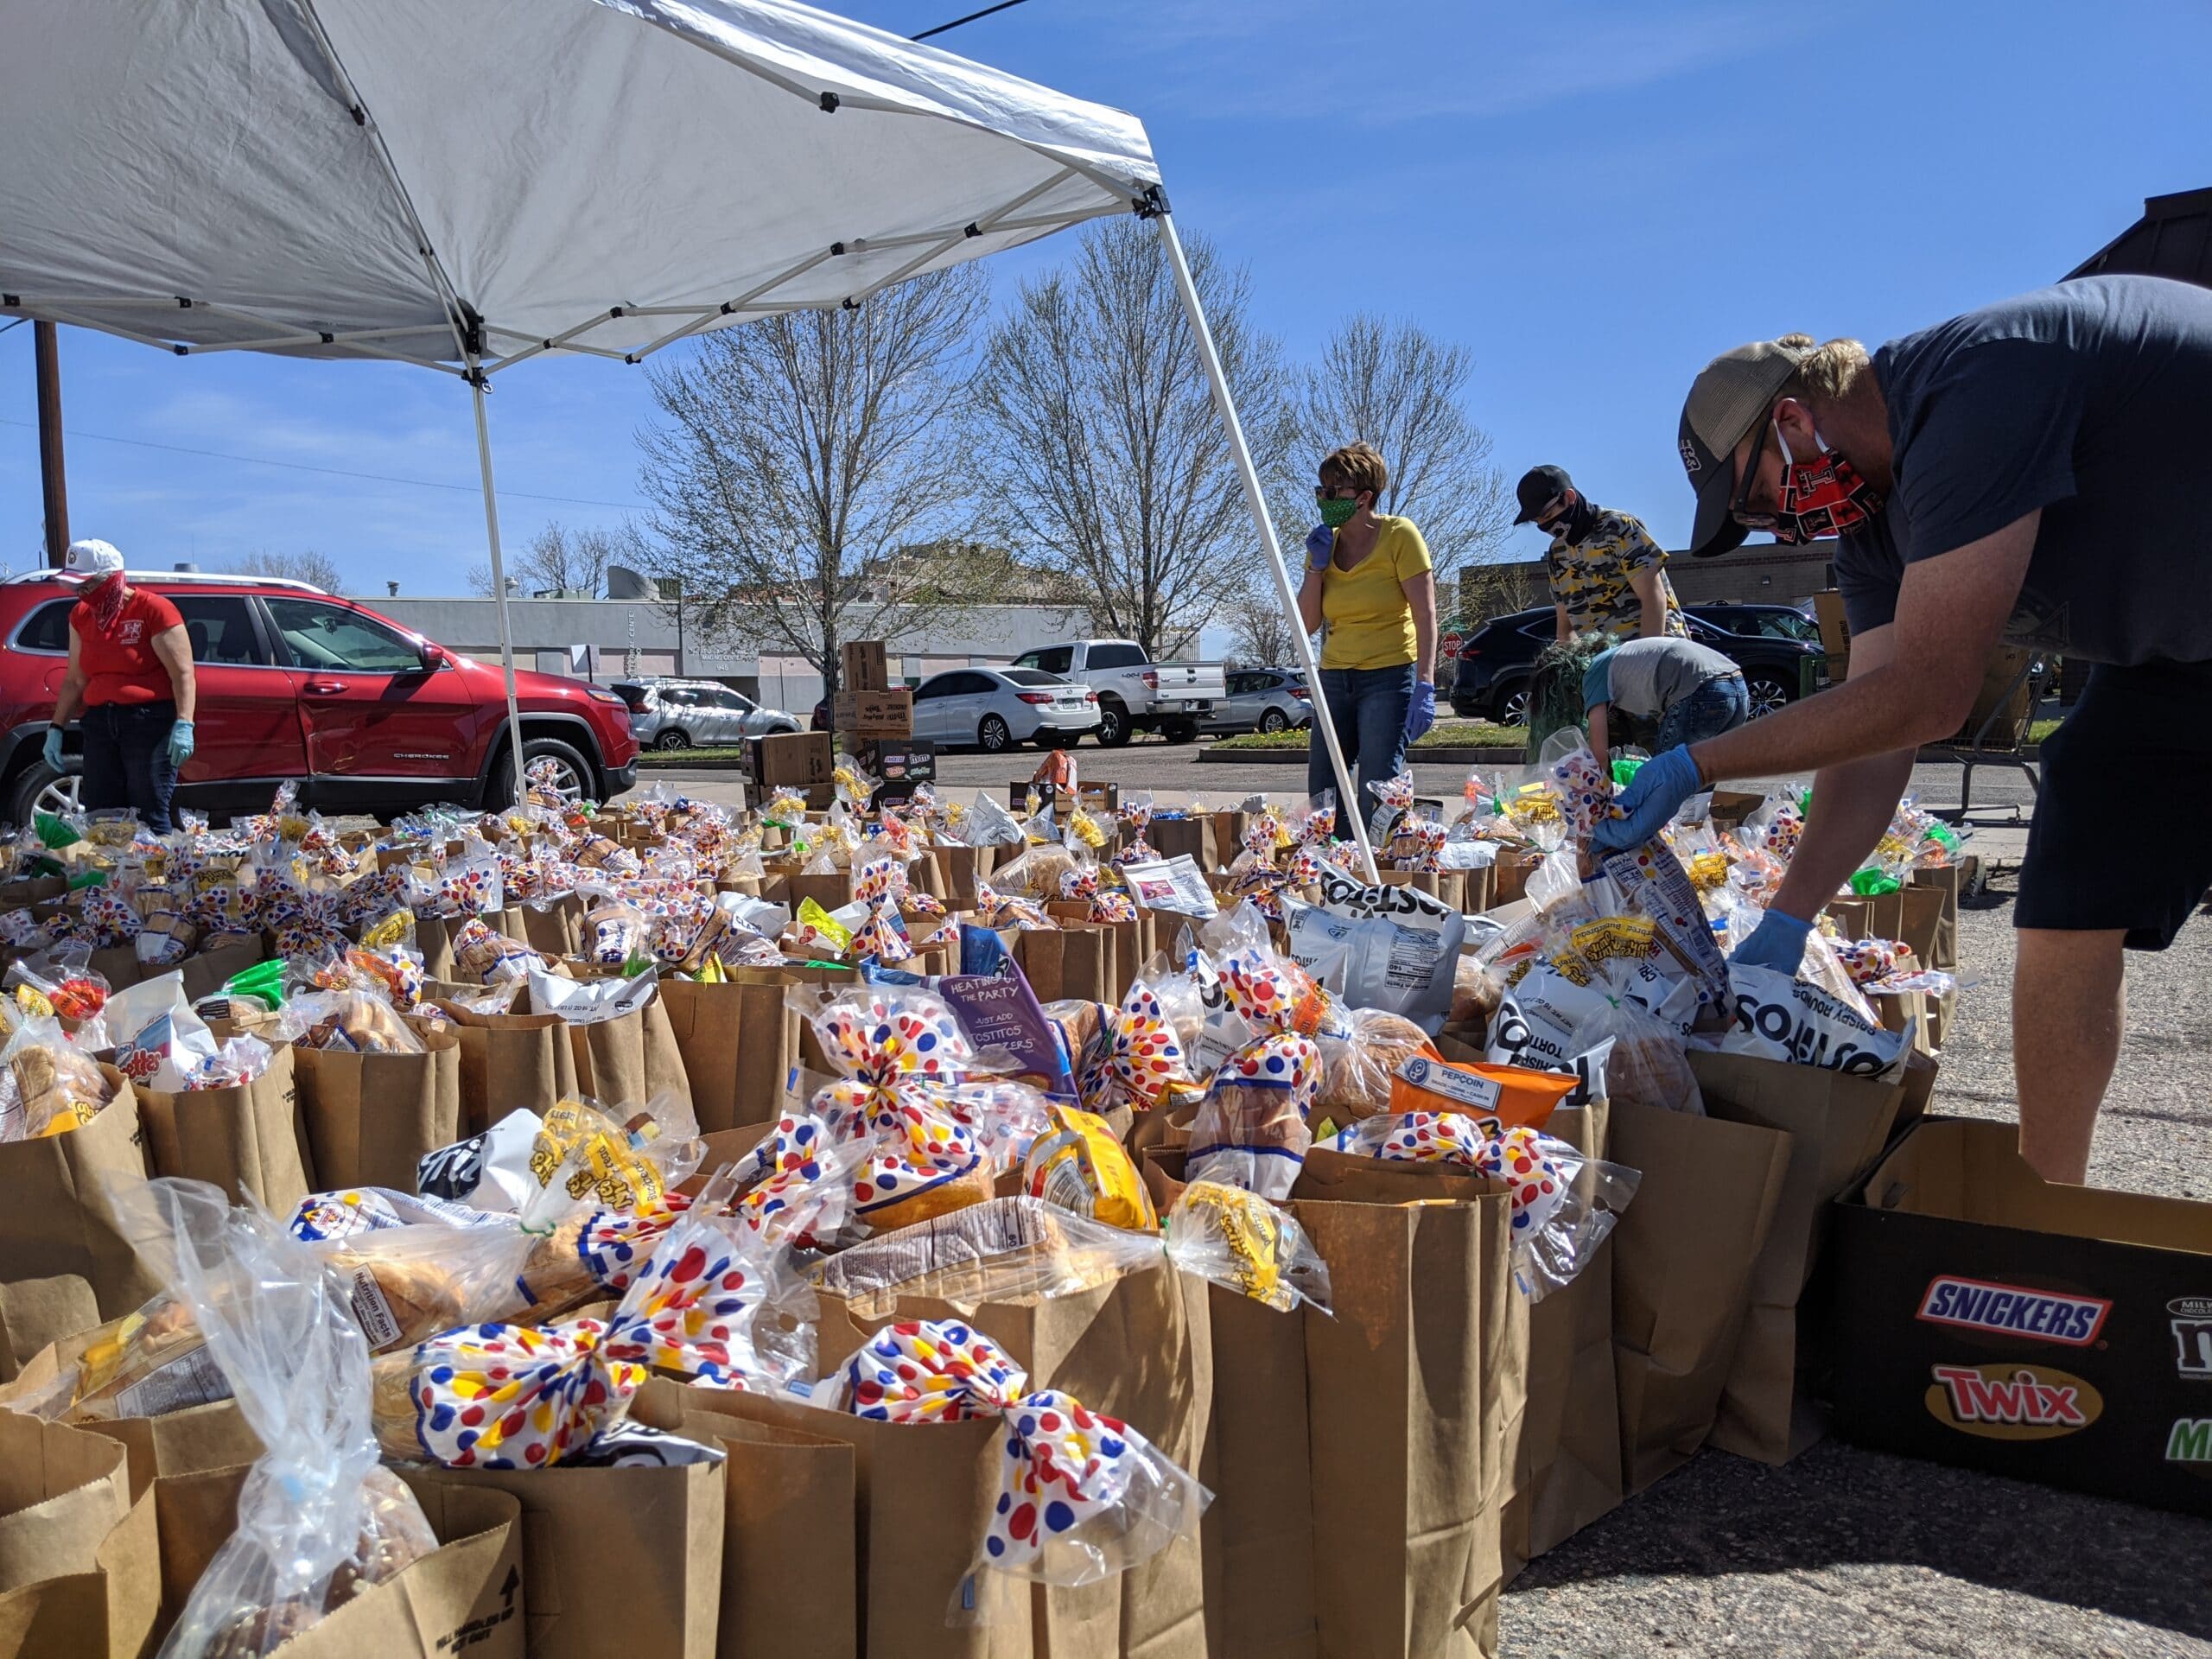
{"x":1368,"y":707}
{"x":127,"y":760}
{"x":1717,"y":706}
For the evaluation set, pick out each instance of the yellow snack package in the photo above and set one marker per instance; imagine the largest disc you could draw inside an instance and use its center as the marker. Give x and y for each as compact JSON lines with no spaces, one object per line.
{"x":1079,"y":1165}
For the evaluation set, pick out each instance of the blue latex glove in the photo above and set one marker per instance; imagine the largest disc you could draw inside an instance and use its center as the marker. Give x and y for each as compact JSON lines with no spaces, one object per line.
{"x":179,"y":742}
{"x":1654,"y":795}
{"x":1320,"y":542}
{"x":53,"y":747}
{"x":1778,"y":942}
{"x":1420,"y":713}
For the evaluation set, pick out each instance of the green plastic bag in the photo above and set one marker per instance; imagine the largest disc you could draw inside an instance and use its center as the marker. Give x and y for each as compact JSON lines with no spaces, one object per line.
{"x":1873,"y":882}
{"x":264,"y":981}
{"x":53,"y":831}
{"x":1624,"y":771}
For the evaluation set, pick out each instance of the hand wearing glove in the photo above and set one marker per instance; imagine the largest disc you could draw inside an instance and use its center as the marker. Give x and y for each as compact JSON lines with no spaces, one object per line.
{"x":1320,"y":544}
{"x":53,"y":747}
{"x":1420,"y":713}
{"x":1778,"y":942}
{"x":1654,"y":795}
{"x":179,"y":742}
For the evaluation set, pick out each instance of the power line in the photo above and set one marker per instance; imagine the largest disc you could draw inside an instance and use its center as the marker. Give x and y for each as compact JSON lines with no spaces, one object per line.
{"x":945,"y":27}
{"x":330,"y":472}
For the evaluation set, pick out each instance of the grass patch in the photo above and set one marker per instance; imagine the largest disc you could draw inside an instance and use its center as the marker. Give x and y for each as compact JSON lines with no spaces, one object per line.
{"x":2042,"y":728}
{"x":1445,"y":735}
{"x":686,"y":757}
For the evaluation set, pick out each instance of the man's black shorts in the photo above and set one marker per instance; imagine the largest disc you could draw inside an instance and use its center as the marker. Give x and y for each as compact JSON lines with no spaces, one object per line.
{"x":2122,"y":835}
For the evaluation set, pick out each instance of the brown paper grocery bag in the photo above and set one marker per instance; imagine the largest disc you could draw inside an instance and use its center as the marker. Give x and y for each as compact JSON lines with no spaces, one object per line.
{"x":790,"y":1577}
{"x":1133,"y":943}
{"x":371,"y":1118}
{"x":1837,"y":1127}
{"x":630,"y":1059}
{"x":35,"y":1313}
{"x":950,"y":872}
{"x":1682,"y":1256}
{"x":465,"y":1597}
{"x":1082,"y":1344}
{"x":1074,"y":961}
{"x":553,"y":925}
{"x":108,"y":1610}
{"x":248,"y":1139}
{"x":57,"y":1212}
{"x":61,"y":1492}
{"x":737,"y":1041}
{"x":832,"y":889}
{"x":1563,"y":1433}
{"x":509,"y":1062}
{"x":187,"y":1442}
{"x":1197,"y":836}
{"x":433,"y":937}
{"x":1947,"y":881}
{"x":1258,"y":1532}
{"x":922,"y":1498}
{"x":625,"y":1561}
{"x":207,"y":971}
{"x":1406,"y":1427}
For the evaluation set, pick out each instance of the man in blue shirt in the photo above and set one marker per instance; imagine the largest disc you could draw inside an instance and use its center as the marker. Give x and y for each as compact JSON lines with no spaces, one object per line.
{"x":2030,"y":471}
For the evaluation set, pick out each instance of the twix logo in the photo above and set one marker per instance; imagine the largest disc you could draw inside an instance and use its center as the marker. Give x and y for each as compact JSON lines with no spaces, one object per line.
{"x":2012,"y":1402}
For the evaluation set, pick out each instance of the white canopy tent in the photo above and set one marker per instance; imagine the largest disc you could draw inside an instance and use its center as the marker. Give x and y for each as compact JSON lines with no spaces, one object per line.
{"x":468,"y":184}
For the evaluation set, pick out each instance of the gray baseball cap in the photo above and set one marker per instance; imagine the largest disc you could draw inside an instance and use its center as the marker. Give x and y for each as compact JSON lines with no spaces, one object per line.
{"x":1727,"y":401}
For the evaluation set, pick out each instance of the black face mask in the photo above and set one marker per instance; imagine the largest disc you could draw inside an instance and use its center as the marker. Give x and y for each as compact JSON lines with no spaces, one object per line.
{"x":1576,"y":522}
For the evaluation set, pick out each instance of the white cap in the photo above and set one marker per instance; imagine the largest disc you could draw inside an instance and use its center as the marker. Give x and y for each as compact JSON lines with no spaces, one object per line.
{"x":93,"y":558}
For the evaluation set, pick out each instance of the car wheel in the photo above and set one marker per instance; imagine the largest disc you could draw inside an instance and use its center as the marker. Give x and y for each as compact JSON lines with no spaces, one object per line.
{"x":994,"y":735}
{"x":1767,"y":694}
{"x":1513,"y":704}
{"x":42,"y":789}
{"x":1114,"y":727}
{"x":1179,"y":731}
{"x":1274,"y":721}
{"x":549,"y":765}
{"x":674,"y":738}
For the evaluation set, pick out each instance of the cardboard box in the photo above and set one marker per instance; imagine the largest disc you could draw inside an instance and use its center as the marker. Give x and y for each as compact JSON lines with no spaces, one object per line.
{"x":875,"y":714}
{"x":1835,"y":631}
{"x":863,"y":665}
{"x":2059,"y":1334}
{"x":799,"y":759}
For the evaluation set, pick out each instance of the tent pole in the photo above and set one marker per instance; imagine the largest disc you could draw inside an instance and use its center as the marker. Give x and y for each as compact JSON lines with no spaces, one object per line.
{"x":499,"y":578}
{"x":1350,"y":807}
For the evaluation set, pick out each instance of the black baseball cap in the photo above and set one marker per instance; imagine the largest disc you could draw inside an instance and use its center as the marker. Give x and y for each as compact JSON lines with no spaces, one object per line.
{"x":1727,"y":401}
{"x":1539,"y":487}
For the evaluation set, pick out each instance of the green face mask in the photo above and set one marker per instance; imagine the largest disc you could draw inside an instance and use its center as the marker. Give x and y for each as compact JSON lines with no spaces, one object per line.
{"x":1337,"y":511}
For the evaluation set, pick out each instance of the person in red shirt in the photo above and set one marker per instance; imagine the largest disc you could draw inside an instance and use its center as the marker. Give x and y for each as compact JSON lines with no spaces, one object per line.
{"x":130,"y":672}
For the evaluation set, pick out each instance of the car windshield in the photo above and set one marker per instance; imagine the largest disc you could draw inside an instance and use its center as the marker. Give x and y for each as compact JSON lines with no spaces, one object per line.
{"x":1032,"y":676}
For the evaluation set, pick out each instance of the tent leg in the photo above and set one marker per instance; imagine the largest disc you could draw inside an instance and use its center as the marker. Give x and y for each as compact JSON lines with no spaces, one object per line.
{"x":1350,"y":807}
{"x":499,"y":579}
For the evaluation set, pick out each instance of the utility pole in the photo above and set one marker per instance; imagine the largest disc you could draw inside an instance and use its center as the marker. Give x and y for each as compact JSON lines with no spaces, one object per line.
{"x":46,"y":347}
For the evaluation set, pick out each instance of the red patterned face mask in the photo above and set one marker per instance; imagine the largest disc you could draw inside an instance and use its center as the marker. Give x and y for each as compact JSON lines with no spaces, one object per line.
{"x":1822,"y":497}
{"x":105,"y":598}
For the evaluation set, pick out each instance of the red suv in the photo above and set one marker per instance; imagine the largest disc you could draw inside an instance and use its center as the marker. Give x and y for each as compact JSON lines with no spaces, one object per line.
{"x":296,"y":684}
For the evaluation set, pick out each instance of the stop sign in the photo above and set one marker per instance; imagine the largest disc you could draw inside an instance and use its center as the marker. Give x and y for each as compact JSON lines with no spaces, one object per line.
{"x":1450,"y":645}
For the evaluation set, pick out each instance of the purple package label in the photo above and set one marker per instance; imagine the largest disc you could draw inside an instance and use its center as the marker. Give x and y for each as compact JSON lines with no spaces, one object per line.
{"x":1001,"y":1011}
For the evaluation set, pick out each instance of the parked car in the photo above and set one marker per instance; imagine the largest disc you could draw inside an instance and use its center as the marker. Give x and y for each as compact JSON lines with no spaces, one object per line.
{"x":297,"y":684}
{"x":1491,"y":675}
{"x":1262,"y":700}
{"x":1135,"y":693}
{"x":667,"y":714}
{"x":995,"y":708}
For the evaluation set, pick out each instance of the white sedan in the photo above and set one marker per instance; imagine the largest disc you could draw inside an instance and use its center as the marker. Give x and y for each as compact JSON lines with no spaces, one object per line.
{"x":996,"y":708}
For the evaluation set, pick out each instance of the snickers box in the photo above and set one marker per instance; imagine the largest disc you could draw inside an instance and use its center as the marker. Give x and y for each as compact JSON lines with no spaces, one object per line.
{"x":2059,"y":1334}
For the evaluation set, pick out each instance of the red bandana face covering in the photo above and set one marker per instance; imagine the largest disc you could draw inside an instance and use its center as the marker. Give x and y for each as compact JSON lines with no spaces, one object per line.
{"x":1822,"y":497}
{"x":105,"y":597}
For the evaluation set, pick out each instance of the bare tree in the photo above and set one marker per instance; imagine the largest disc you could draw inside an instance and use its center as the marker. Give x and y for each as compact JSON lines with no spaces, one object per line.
{"x":558,"y":559}
{"x":307,"y":565}
{"x":1263,"y":634}
{"x":1400,"y":389}
{"x":1100,"y":445}
{"x":803,"y":462}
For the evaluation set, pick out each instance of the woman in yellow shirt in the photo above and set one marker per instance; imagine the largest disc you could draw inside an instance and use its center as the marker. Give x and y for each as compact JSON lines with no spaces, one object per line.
{"x":1369,"y":580}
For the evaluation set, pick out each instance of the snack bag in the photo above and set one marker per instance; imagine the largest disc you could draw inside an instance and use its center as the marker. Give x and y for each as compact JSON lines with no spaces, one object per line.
{"x":319,"y":1521}
{"x":1085,"y":1496}
{"x":1079,"y":1164}
{"x":1239,"y":1241}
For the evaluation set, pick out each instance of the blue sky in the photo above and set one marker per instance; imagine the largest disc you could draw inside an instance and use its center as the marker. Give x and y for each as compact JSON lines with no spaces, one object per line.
{"x":1595,"y":197}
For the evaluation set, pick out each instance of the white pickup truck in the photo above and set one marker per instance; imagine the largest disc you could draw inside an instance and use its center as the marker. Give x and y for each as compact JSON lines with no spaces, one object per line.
{"x":1135,"y":693}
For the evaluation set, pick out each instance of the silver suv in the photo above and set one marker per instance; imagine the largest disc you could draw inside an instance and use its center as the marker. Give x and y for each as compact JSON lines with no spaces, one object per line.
{"x":667,"y":714}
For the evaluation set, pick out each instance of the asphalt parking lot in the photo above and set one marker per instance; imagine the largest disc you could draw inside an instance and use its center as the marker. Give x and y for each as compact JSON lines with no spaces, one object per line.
{"x":1847,"y":1552}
